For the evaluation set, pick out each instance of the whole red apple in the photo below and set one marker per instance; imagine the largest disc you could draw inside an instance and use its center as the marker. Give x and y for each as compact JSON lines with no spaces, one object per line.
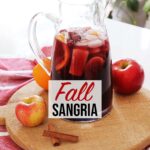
{"x":128,"y":76}
{"x":31,"y":111}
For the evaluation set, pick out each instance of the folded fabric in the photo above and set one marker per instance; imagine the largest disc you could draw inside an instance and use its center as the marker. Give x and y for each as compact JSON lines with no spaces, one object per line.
{"x":14,"y":73}
{"x":2,"y":128}
{"x":7,"y":144}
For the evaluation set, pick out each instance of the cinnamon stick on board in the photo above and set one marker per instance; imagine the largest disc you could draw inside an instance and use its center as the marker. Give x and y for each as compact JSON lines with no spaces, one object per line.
{"x":61,"y":136}
{"x":55,"y":141}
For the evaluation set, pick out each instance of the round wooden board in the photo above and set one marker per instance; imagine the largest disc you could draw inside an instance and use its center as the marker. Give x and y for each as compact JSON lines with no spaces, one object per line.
{"x":127,"y":127}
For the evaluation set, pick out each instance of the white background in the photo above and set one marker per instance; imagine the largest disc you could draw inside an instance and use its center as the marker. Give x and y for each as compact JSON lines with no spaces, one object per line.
{"x":14,"y":19}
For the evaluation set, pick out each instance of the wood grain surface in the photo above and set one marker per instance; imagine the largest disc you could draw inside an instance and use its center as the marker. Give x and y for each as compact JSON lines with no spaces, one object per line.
{"x":126,"y":127}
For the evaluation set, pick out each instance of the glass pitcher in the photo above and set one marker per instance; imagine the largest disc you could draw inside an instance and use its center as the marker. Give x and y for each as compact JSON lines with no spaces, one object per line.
{"x":80,"y":50}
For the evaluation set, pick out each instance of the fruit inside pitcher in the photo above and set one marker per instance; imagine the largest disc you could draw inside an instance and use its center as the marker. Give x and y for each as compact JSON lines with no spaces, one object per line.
{"x":83,"y":54}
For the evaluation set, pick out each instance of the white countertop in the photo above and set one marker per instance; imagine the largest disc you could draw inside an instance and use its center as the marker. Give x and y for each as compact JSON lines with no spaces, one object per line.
{"x":129,"y":41}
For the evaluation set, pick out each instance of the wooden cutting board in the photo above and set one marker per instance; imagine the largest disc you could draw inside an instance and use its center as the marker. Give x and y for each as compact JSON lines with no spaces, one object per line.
{"x":127,"y":127}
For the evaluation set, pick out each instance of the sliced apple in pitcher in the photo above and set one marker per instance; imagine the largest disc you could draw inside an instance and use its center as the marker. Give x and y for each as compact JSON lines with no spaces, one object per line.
{"x":94,"y":50}
{"x":79,"y":59}
{"x":61,"y":56}
{"x":93,"y":68}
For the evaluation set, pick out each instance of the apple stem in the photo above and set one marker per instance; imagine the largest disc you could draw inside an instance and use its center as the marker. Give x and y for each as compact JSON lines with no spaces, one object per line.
{"x":124,"y":65}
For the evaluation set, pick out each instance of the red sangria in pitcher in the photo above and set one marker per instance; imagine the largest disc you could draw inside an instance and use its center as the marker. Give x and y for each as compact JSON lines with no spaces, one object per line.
{"x":81,"y":49}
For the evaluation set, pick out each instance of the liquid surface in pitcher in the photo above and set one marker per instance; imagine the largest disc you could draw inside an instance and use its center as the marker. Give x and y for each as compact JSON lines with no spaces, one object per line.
{"x":83,"y":54}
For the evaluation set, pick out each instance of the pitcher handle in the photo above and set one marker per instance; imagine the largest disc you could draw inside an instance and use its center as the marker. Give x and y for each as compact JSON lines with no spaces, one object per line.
{"x":32,"y":37}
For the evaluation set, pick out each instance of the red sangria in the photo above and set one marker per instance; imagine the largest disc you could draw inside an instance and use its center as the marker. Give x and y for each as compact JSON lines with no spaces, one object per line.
{"x":83,"y":54}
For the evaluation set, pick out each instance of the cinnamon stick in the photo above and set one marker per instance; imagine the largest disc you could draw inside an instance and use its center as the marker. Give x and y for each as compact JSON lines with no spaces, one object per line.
{"x":61,"y":136}
{"x":55,"y":141}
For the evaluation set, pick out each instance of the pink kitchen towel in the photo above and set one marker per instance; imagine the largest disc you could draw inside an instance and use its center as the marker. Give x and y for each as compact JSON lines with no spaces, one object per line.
{"x":7,"y":144}
{"x":14,"y":73}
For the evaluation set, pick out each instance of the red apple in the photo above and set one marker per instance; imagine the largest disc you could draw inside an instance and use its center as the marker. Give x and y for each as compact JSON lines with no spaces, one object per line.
{"x":128,"y":76}
{"x":31,"y":111}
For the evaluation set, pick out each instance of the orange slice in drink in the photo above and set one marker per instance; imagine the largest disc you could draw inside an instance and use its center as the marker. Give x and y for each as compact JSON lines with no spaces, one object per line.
{"x":61,"y":55}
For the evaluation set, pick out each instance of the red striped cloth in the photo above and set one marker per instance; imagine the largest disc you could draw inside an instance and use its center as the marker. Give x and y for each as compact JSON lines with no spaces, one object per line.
{"x":14,"y":73}
{"x":7,"y":144}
